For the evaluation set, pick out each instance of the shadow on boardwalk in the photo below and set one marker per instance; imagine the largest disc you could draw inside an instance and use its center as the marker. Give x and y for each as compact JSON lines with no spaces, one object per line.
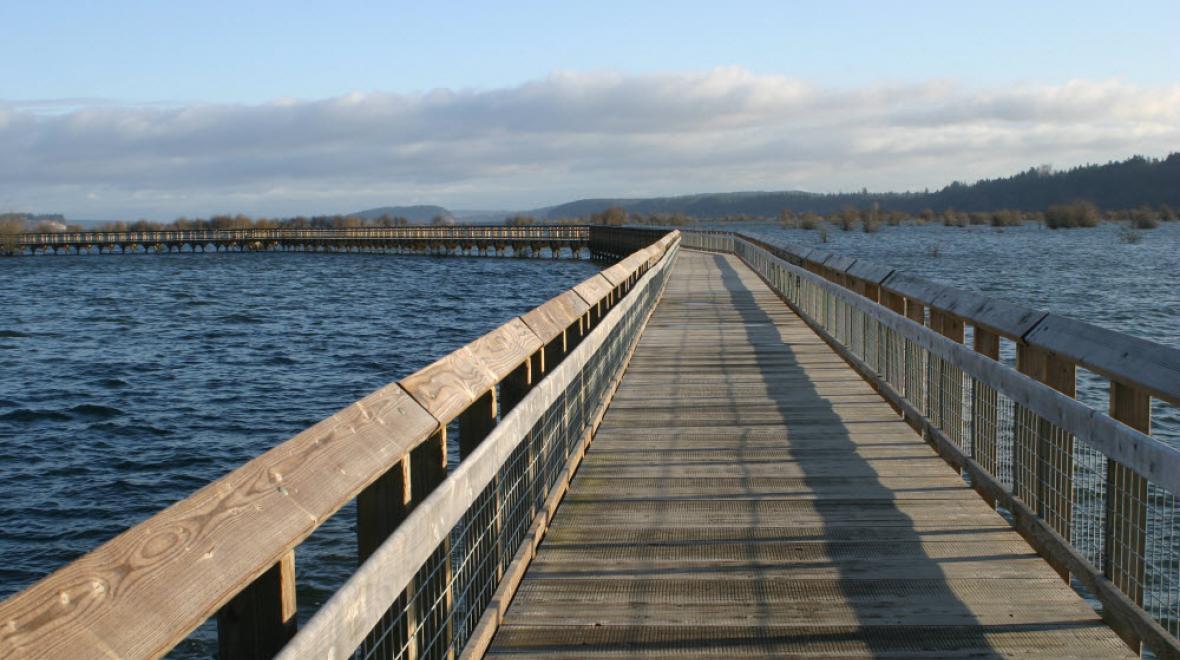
{"x":749,"y":495}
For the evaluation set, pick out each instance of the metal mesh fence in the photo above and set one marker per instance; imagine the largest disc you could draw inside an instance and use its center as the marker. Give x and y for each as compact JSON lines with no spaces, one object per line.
{"x":439,"y":611}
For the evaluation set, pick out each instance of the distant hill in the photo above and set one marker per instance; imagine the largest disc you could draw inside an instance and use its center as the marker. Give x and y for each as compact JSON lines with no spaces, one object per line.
{"x":418,"y":214}
{"x":1115,"y":185}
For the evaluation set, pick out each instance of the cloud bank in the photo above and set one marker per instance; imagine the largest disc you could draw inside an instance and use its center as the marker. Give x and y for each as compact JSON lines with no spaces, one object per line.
{"x":566,"y":136}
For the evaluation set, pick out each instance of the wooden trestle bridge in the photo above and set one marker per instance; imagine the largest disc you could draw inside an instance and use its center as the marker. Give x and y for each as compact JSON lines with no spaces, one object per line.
{"x":715,"y":447}
{"x":473,"y":240}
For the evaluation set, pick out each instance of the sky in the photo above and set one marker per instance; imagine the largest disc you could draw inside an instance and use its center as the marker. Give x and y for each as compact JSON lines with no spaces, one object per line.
{"x":123,"y":109}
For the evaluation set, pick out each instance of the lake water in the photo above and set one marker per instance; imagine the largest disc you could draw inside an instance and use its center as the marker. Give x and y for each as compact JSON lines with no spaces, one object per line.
{"x":129,"y":382}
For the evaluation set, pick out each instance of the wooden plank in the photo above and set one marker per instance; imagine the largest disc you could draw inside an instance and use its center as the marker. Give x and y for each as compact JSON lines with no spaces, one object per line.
{"x":1081,"y":640}
{"x":595,"y":290}
{"x":869,"y":272}
{"x":997,"y":316}
{"x":121,"y":599}
{"x":504,"y":349}
{"x":1149,"y":366}
{"x":617,"y":274}
{"x":550,"y":320}
{"x":448,"y":386}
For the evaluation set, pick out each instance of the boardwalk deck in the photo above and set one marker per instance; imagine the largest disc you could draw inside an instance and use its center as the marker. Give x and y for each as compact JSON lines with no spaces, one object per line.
{"x":748,"y":494}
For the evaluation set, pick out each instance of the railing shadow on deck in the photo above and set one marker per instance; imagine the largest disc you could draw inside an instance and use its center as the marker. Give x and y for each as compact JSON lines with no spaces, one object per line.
{"x":803,"y":406}
{"x":1090,"y":491}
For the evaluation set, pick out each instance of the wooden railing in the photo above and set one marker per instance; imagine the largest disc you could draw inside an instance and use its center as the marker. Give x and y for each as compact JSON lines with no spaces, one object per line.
{"x":459,"y":233}
{"x":1091,"y":491}
{"x":532,"y":388}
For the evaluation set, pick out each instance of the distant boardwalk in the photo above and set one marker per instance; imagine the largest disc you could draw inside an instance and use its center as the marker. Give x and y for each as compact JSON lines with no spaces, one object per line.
{"x":749,"y":494}
{"x":482,"y":240}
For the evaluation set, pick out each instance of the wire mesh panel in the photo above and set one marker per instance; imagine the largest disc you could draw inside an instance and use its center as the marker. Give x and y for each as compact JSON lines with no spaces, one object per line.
{"x":443,"y":604}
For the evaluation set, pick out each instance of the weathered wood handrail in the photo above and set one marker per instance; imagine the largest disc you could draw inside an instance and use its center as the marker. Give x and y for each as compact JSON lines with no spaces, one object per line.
{"x":1091,"y":491}
{"x":228,"y":550}
{"x":505,"y":462}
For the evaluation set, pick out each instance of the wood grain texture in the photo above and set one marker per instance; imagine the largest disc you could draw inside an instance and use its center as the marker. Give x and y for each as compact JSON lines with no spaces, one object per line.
{"x":749,"y":494}
{"x":595,"y":290}
{"x":121,"y":600}
{"x":504,"y":349}
{"x":557,"y":314}
{"x":447,"y":387}
{"x":1148,"y":366}
{"x":617,"y":274}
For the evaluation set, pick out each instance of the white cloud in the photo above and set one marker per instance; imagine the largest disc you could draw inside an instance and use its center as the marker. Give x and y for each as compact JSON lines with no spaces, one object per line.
{"x":569,"y":135}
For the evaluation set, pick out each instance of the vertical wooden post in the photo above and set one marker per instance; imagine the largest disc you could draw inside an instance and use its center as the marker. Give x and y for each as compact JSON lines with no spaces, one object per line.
{"x":1126,"y":500}
{"x":428,"y":468}
{"x":985,"y":414}
{"x":517,"y":383}
{"x":1050,"y":449}
{"x":949,"y":403}
{"x":260,"y":620}
{"x":477,"y":422}
{"x":894,"y":372}
{"x":915,"y":376}
{"x":380,"y":508}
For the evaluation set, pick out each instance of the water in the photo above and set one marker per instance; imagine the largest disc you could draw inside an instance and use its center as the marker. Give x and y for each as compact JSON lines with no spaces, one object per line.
{"x":1086,"y":274}
{"x":127,"y":383}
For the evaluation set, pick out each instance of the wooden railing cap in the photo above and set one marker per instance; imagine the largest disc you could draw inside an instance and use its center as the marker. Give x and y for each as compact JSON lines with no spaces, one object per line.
{"x":552,"y":318}
{"x":999,"y":316}
{"x":869,"y":271}
{"x":504,"y":349}
{"x":617,"y":274}
{"x":144,"y":591}
{"x":449,"y":386}
{"x":594,"y":289}
{"x":916,"y":288}
{"x":817,"y":256}
{"x":1140,"y":363}
{"x":1004,"y":318}
{"x":839,"y":262}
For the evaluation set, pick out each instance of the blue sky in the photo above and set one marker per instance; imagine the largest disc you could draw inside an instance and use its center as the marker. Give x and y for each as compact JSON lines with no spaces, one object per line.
{"x":257,"y":51}
{"x":116,"y":75}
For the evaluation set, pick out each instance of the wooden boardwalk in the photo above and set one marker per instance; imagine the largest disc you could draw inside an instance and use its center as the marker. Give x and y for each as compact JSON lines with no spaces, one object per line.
{"x":748,"y":494}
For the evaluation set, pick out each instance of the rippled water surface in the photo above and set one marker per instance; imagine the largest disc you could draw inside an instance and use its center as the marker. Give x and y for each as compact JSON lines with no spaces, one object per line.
{"x":126,"y":383}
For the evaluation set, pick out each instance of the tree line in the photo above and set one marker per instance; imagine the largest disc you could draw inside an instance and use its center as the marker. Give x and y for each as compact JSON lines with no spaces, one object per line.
{"x":1126,"y":184}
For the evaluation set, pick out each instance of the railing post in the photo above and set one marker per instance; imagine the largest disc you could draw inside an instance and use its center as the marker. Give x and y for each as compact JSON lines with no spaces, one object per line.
{"x":428,"y":468}
{"x":475,"y":424}
{"x":915,"y":374}
{"x":260,"y":619}
{"x":985,"y":417}
{"x":519,"y":381}
{"x":949,"y":403}
{"x":1124,"y":560}
{"x":380,"y":508}
{"x":1044,"y":454}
